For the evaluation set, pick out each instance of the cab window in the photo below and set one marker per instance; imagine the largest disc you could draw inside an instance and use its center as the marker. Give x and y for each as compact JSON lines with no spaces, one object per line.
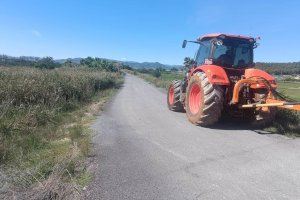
{"x":203,"y":52}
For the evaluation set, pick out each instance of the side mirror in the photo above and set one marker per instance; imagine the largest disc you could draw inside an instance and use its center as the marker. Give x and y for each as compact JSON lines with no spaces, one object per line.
{"x":255,"y":45}
{"x":184,"y":43}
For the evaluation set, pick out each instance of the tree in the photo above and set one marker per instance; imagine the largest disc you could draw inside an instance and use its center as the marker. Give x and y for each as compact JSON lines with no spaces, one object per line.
{"x":174,"y":69}
{"x":46,"y":63}
{"x":68,"y":63}
{"x":98,"y":63}
{"x":189,"y":62}
{"x":86,"y":61}
{"x":157,"y":73}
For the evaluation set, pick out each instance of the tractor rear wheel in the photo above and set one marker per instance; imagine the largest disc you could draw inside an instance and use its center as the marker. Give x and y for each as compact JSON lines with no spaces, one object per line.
{"x":204,"y":101}
{"x":174,"y":93}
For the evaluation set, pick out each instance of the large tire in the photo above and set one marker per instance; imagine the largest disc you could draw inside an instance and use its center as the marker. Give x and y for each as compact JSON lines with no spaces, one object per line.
{"x":174,"y":93}
{"x":204,"y":101}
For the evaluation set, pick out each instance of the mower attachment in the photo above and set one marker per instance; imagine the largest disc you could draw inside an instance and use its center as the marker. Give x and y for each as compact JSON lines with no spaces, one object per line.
{"x":275,"y":103}
{"x":274,"y":99}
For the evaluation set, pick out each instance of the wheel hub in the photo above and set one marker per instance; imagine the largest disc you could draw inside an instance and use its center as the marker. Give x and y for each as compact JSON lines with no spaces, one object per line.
{"x":171,"y":95}
{"x":194,"y":99}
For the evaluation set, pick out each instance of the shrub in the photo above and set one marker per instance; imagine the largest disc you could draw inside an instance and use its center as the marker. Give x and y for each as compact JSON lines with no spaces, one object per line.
{"x":156,"y":73}
{"x":102,"y":64}
{"x":46,"y":63}
{"x":287,"y":122}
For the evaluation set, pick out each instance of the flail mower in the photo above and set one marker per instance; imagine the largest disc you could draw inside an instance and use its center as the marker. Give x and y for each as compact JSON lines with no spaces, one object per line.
{"x":223,"y":80}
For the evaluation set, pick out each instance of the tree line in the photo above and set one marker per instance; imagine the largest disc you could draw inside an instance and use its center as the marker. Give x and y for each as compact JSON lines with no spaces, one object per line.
{"x":50,"y":63}
{"x":288,"y":68}
{"x":280,"y":68}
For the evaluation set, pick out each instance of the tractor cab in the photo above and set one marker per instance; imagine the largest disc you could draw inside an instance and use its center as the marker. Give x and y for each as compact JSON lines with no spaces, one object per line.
{"x":227,"y":51}
{"x":233,"y":53}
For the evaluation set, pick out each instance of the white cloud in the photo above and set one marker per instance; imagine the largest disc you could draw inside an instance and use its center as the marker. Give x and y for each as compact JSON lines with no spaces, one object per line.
{"x":36,"y":33}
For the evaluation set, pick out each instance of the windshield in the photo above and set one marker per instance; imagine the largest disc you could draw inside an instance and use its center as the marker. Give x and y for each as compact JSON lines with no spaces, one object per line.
{"x":233,"y":53}
{"x":203,"y":52}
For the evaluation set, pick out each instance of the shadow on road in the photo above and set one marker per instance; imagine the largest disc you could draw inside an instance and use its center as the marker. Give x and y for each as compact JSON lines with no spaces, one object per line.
{"x":233,"y":124}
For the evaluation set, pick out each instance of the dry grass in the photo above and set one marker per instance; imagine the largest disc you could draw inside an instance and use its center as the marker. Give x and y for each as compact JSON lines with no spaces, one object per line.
{"x":35,"y":101}
{"x":44,"y":135}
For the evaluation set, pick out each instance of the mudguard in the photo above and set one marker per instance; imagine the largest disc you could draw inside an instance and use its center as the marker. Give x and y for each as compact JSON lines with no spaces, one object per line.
{"x":215,"y":74}
{"x":255,"y":73}
{"x":249,"y":73}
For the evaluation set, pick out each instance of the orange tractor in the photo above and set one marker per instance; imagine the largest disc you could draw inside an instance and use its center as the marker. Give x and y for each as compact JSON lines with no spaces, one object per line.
{"x":223,"y":80}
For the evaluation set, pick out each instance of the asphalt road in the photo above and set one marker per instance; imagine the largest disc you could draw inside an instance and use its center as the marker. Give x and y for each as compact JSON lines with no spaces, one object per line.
{"x":144,"y":151}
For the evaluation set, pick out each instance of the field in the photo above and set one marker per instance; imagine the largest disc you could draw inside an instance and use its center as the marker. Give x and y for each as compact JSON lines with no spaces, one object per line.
{"x":291,"y":89}
{"x":43,"y":123}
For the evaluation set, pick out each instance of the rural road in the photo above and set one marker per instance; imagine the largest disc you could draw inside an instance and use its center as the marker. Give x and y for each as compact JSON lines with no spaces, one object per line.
{"x":144,"y":151}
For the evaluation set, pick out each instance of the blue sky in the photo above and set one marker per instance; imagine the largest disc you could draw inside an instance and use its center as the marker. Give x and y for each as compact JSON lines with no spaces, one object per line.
{"x":148,"y":30}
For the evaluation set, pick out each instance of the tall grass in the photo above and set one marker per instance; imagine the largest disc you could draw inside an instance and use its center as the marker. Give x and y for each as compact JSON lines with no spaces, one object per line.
{"x":44,"y":135}
{"x":33,"y":102}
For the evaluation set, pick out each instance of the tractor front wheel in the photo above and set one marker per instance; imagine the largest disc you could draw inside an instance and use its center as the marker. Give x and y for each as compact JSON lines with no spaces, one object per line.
{"x":174,"y":93}
{"x":204,"y":101}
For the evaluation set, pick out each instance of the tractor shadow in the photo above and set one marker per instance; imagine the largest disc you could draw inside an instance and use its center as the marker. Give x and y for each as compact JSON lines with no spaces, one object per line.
{"x":236,"y":124}
{"x":285,"y":123}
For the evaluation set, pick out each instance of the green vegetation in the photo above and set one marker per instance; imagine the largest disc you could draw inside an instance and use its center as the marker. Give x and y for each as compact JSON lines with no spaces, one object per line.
{"x":50,"y":63}
{"x":44,"y":117}
{"x":46,"y":63}
{"x":159,"y":77}
{"x":291,"y":89}
{"x":291,"y":68}
{"x":97,"y":63}
{"x":287,"y":121}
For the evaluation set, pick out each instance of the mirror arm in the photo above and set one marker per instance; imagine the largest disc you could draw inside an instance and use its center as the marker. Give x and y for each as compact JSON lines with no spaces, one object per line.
{"x":197,"y":42}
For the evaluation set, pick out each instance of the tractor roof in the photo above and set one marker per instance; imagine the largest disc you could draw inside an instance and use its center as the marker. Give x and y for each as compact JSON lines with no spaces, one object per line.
{"x":215,"y":35}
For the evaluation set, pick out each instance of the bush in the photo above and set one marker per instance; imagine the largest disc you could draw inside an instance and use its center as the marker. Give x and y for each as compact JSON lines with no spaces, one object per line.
{"x":156,"y":73}
{"x":102,"y":64}
{"x":46,"y":63}
{"x":287,"y":122}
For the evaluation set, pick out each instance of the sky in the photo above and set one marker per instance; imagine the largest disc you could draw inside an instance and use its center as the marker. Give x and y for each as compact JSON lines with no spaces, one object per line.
{"x":144,"y":30}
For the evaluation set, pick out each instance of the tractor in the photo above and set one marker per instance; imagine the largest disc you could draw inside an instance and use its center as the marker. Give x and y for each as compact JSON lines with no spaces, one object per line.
{"x":223,"y":80}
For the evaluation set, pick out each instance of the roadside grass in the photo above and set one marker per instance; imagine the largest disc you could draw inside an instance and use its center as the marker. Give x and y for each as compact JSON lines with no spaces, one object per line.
{"x":286,"y":122}
{"x":291,"y":89}
{"x":164,"y":80}
{"x":44,"y":128}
